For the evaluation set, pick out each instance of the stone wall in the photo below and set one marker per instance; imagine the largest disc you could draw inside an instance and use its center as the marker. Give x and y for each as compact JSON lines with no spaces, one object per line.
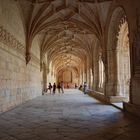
{"x":11,"y":19}
{"x":18,"y":82}
{"x":132,"y":12}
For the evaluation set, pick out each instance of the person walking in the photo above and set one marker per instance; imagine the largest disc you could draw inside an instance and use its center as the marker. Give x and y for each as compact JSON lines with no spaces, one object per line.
{"x":62,"y":86}
{"x":59,"y":87}
{"x":76,"y":86}
{"x":85,"y":88}
{"x":80,"y":87}
{"x":50,"y":88}
{"x":54,"y":88}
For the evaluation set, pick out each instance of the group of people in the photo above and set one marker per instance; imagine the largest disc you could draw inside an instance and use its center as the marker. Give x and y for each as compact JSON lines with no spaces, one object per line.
{"x":84,"y":87}
{"x":60,"y":87}
{"x":52,"y":88}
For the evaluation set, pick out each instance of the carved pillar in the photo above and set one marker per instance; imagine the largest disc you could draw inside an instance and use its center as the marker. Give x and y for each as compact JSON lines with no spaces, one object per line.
{"x":92,"y":86}
{"x":45,"y":73}
{"x":135,"y":83}
{"x":88,"y":74}
{"x":84,"y":73}
{"x":111,"y":83}
{"x":80,"y":75}
{"x":27,"y":57}
{"x":96,"y":69}
{"x":28,"y":50}
{"x":134,"y":105}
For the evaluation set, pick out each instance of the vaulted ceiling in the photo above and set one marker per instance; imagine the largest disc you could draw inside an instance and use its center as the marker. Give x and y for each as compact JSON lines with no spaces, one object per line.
{"x":67,"y":29}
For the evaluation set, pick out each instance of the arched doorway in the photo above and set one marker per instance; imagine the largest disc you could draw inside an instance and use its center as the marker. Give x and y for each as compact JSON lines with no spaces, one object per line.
{"x":101,"y":73}
{"x":69,"y":76}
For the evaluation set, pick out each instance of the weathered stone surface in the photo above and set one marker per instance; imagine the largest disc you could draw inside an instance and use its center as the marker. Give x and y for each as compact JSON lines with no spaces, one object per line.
{"x":71,"y":41}
{"x":68,"y":116}
{"x":18,"y":82}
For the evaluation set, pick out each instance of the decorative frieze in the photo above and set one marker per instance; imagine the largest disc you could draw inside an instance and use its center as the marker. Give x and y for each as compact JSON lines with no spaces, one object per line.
{"x":118,"y":19}
{"x":8,"y":39}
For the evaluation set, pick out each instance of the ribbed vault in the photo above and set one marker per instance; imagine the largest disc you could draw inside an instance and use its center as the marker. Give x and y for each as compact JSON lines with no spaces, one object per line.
{"x":67,"y":29}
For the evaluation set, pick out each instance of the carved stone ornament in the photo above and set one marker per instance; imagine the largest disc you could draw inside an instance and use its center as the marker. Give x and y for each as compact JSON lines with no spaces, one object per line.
{"x":28,"y":58}
{"x":9,"y":40}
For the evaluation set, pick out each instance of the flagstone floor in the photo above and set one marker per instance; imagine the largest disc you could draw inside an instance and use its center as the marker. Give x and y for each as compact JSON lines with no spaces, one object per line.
{"x":68,"y":116}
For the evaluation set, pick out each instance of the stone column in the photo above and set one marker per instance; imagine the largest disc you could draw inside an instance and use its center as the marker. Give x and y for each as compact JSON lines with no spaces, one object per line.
{"x":80,"y":75}
{"x":96,"y":72}
{"x":45,"y":73}
{"x":111,"y":80}
{"x":112,"y":73}
{"x":134,"y":105}
{"x":92,"y":78}
{"x":84,"y":73}
{"x":88,"y":75}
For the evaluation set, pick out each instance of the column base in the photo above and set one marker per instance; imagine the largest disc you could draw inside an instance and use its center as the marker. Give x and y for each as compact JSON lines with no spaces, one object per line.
{"x":98,"y":95}
{"x":132,"y":108}
{"x":109,"y":99}
{"x":116,"y":99}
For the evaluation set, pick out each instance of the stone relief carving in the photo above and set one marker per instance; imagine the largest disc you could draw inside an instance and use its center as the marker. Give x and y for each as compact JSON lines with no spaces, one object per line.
{"x":117,"y":21}
{"x":9,"y":40}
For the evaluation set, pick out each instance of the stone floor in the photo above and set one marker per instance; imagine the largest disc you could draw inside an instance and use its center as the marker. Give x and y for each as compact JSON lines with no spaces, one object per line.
{"x":68,"y":116}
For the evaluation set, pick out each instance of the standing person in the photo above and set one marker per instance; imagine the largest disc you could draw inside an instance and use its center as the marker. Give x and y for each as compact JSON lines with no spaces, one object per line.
{"x":76,"y":86}
{"x":80,"y":87}
{"x":59,"y":86}
{"x":54,"y":88}
{"x":62,"y":86}
{"x":50,"y":88}
{"x":85,"y":87}
{"x":68,"y":85}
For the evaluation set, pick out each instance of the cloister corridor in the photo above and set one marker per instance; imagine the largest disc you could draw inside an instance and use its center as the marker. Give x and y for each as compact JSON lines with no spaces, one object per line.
{"x":89,"y":48}
{"x":69,"y":116}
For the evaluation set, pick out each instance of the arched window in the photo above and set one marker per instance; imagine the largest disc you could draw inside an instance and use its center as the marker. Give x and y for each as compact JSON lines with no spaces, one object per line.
{"x":119,"y":55}
{"x":123,"y":61}
{"x":91,"y":78}
{"x":101,"y":72}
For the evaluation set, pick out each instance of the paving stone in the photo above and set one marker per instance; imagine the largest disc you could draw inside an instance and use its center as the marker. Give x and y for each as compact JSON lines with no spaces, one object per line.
{"x":69,"y":116}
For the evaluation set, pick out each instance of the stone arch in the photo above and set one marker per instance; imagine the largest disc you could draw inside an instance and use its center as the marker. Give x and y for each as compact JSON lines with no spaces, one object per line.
{"x":101,"y":72}
{"x":70,"y":77}
{"x":123,"y":62}
{"x":118,"y":17}
{"x":118,"y":25}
